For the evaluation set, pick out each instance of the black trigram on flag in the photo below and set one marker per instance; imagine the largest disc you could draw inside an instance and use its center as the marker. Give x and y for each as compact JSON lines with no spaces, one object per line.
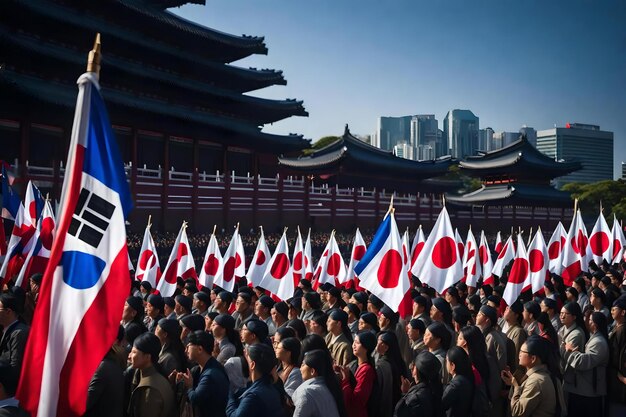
{"x":91,"y":218}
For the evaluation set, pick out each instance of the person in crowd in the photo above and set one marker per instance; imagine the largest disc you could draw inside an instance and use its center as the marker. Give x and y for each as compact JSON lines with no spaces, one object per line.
{"x":598,"y":301}
{"x":313,"y":342}
{"x":183,"y":306}
{"x":437,"y":340}
{"x":550,"y":307}
{"x":421,"y":309}
{"x":154,"y":311}
{"x":473,"y":304}
{"x":589,"y":363}
{"x":339,"y":338}
{"x":374,"y":304}
{"x":295,"y":308}
{"x":261,"y":398}
{"x":484,"y":368}
{"x":530,"y":314}
{"x":546,"y":330}
{"x":318,"y":323}
{"x":208,"y":320}
{"x":388,"y":320}
{"x":538,"y":392}
{"x":169,"y":308}
{"x":353,"y":312}
{"x":283,"y":333}
{"x":152,"y":396}
{"x":172,"y":356}
{"x":311,"y":302}
{"x":15,"y":335}
{"x":356,"y":396}
{"x":461,"y":317}
{"x":189,"y":324}
{"x":496,"y":341}
{"x":617,"y":366}
{"x":227,"y":340}
{"x":189,"y":289}
{"x":571,"y":294}
{"x":442,"y":312}
{"x":573,"y":333}
{"x":333,"y":299}
{"x":390,"y":367}
{"x":9,"y":405}
{"x":208,"y":392}
{"x":453,"y":298}
{"x":513,"y":316}
{"x":288,"y":355}
{"x":222,"y":304}
{"x":424,"y":398}
{"x":298,"y":326}
{"x":263,"y":309}
{"x":581,"y":286}
{"x":319,"y":395}
{"x":368,"y":321}
{"x":360,"y":299}
{"x":105,"y":395}
{"x":133,"y":311}
{"x":201,"y":303}
{"x":415,"y":332}
{"x":458,"y":394}
{"x":280,"y":314}
{"x":145,"y":288}
{"x":305,"y":286}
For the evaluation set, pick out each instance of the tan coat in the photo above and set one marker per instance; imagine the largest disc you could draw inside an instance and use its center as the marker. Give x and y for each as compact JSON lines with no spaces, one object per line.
{"x":536,"y":396}
{"x":518,"y":335}
{"x":340,"y":349}
{"x":153,"y":397}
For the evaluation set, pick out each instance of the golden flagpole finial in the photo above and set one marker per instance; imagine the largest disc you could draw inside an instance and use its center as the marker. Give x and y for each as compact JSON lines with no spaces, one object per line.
{"x":93,"y":62}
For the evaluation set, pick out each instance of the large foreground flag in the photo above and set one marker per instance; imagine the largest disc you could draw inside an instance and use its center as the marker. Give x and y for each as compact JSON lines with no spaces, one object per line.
{"x":600,"y":242}
{"x":382,"y":269}
{"x":440,"y":265}
{"x":148,"y":267}
{"x":87,"y":279}
{"x":179,"y":264}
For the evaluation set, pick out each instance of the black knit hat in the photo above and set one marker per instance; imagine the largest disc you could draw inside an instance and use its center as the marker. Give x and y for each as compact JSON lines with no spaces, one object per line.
{"x":202,"y":296}
{"x":148,"y":343}
{"x":368,"y":340}
{"x":135,"y":303}
{"x":157,"y":301}
{"x":266,"y":301}
{"x":282,"y":308}
{"x":226,"y":321}
{"x":226,"y":297}
{"x":185,"y":302}
{"x":171,"y":327}
{"x":193,"y":322}
{"x":491,"y":314}
{"x":258,"y":327}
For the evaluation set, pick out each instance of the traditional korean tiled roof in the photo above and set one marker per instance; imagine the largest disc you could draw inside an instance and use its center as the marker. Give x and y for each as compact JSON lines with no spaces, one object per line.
{"x":513,"y":194}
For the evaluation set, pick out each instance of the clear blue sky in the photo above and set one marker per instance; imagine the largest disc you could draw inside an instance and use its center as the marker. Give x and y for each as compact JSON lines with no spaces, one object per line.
{"x":531,"y":62}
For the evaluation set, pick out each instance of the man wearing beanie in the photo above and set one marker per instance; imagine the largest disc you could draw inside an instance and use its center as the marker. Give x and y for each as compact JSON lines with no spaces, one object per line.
{"x":437,"y":339}
{"x":280,"y":314}
{"x":183,"y":306}
{"x":153,"y":395}
{"x":262,"y":309}
{"x":133,"y":311}
{"x":496,"y":348}
{"x":201,"y":303}
{"x":154,"y":311}
{"x":421,"y":310}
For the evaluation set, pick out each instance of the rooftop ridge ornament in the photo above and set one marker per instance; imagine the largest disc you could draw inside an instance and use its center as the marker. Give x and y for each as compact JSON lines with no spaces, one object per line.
{"x":93,"y":61}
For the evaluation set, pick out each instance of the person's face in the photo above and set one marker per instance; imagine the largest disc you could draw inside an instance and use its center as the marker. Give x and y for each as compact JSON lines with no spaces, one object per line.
{"x":139,"y":359}
{"x":167,"y":310}
{"x":333,"y":326}
{"x":213,"y":296}
{"x":247,"y":336}
{"x":569,"y":296}
{"x":412,"y":333}
{"x":567,"y":318}
{"x":276,"y":317}
{"x":450,"y":366}
{"x":591,"y":325}
{"x":460,"y":341}
{"x":595,"y":301}
{"x":617,"y":314}
{"x":241,"y":305}
{"x":178,"y":309}
{"x":208,"y":322}
{"x":416,"y":309}
{"x":345,"y":296}
{"x":129,"y":313}
{"x":184,"y":333}
{"x":34,"y":287}
{"x":161,"y":334}
{"x":187,"y":293}
{"x":307,"y":372}
{"x":193,"y":352}
{"x":382,"y":321}
{"x":282,"y":354}
{"x":259,"y":309}
{"x":429,"y":340}
{"x":524,"y":357}
{"x":151,"y":311}
{"x":527,"y":316}
{"x":363,"y":325}
{"x":481,"y":319}
{"x":544,"y":308}
{"x":435,"y":314}
{"x":217,"y":330}
{"x":316,"y":328}
{"x":293,"y":313}
{"x":357,"y":348}
{"x":371,"y":307}
{"x":381,"y":347}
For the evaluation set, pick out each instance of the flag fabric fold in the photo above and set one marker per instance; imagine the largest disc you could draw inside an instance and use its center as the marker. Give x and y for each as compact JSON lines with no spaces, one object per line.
{"x":358,"y":251}
{"x":506,"y":255}
{"x":555,"y":249}
{"x":538,"y":261}
{"x":484,"y":255}
{"x":259,"y":263}
{"x":212,"y":263}
{"x":278,"y":278}
{"x":148,"y":267}
{"x":87,"y":279}
{"x":619,"y":241}
{"x":179,"y":264}
{"x":332,"y":269}
{"x":233,"y":263}
{"x":600,"y":242}
{"x":519,"y":276}
{"x":575,"y":251}
{"x":471,"y":260}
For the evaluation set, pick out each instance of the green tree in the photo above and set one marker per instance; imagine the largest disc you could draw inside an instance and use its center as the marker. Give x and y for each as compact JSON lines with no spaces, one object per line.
{"x":612,"y":195}
{"x":321,"y":143}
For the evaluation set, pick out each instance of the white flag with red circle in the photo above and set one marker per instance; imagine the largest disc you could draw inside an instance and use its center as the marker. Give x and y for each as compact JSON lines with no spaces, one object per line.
{"x":555,"y":249}
{"x":233,"y":265}
{"x":278,"y":278}
{"x":211,"y":264}
{"x":575,"y":251}
{"x":148,"y":267}
{"x":600,"y":241}
{"x":499,"y":245}
{"x":179,"y":264}
{"x":298,"y":260}
{"x":260,"y":261}
{"x":519,"y":276}
{"x":440,"y":265}
{"x":484,"y":256}
{"x":333,"y":269}
{"x":619,"y":242}
{"x":538,"y":261}
{"x":358,"y":251}
{"x":418,"y":244}
{"x":471,"y":260}
{"x":459,"y":242}
{"x":308,"y":260}
{"x":506,"y":255}
{"x":382,"y":269}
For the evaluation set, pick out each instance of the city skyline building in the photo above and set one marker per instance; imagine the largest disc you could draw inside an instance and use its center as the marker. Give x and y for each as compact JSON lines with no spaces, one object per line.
{"x":579,"y":142}
{"x":460,"y":129}
{"x":485,"y":139}
{"x":391,"y":131}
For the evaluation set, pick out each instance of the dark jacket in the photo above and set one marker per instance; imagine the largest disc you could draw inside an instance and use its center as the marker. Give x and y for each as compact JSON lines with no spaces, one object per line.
{"x":457,"y":397}
{"x":105,"y":395}
{"x":209,"y":394}
{"x":260,"y":399}
{"x":417,"y":402}
{"x":153,"y":397}
{"x":13,"y":344}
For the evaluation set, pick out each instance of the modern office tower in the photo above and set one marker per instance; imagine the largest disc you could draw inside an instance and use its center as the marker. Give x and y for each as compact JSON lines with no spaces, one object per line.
{"x":585,"y":143}
{"x":531,"y":134}
{"x":404,"y":150}
{"x":391,"y":131}
{"x":504,"y":139}
{"x":460,"y":128}
{"x":624,"y":170}
{"x":485,"y":139}
{"x":424,"y":135}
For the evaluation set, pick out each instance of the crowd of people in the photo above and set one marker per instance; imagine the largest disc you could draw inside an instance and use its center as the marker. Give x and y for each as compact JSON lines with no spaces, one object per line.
{"x":341,"y":352}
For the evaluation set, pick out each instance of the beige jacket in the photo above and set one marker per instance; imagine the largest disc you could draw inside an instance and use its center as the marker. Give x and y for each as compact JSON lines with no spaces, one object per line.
{"x":536,"y":396}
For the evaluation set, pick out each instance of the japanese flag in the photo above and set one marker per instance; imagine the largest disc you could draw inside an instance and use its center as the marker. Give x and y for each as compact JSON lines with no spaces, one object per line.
{"x":148,"y":268}
{"x":555,"y":249}
{"x":308,"y":260}
{"x":471,"y":261}
{"x":278,"y":278}
{"x":333,"y":269}
{"x":538,"y":261}
{"x":299,"y":260}
{"x":600,"y":242}
{"x":619,"y":241}
{"x":418,"y":244}
{"x":459,"y":242}
{"x":575,"y":251}
{"x":179,"y":264}
{"x":358,"y":251}
{"x":259,"y":263}
{"x":486,"y":264}
{"x":234,"y":263}
{"x":440,"y":264}
{"x":499,"y":245}
{"x":506,"y":255}
{"x":519,"y":277}
{"x":212,"y":263}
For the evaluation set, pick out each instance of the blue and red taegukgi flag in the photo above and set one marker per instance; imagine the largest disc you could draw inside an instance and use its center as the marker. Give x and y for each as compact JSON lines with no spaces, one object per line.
{"x":87,"y":278}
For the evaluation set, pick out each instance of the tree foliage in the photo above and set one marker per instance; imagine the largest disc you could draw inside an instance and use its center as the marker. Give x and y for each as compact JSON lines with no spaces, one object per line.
{"x":612,"y":195}
{"x":321,"y":143}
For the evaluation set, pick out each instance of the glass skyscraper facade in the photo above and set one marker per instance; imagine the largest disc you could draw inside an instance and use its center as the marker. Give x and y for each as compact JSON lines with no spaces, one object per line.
{"x":460,"y":128}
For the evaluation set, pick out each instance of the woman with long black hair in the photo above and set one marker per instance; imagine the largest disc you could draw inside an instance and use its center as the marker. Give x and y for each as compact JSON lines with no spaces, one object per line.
{"x":458,"y":394}
{"x":356,"y":396}
{"x":288,"y":355}
{"x":319,"y":395}
{"x":586,"y":394}
{"x":424,"y":398}
{"x":390,"y":367}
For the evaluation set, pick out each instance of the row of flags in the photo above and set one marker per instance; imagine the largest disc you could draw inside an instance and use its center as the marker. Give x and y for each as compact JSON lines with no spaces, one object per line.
{"x":86,"y":264}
